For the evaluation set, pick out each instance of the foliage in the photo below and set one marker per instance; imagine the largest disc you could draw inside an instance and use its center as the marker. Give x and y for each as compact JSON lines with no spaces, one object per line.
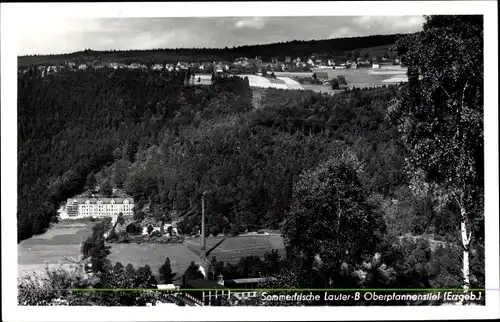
{"x":329,"y":205}
{"x":192,"y":272}
{"x":107,"y":188}
{"x":440,"y":115}
{"x":338,"y":82}
{"x":308,"y":80}
{"x":166,"y":275}
{"x":94,"y":247}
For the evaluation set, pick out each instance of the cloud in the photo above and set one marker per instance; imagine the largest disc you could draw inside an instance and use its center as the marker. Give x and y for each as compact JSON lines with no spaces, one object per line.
{"x":389,"y":24}
{"x":255,"y":22}
{"x":58,"y":35}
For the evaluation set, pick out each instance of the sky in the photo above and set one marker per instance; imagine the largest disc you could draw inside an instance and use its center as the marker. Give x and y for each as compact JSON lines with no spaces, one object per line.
{"x":56,"y":35}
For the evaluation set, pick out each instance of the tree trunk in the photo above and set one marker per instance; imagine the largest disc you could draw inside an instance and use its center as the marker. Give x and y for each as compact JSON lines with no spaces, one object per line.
{"x":466,"y":236}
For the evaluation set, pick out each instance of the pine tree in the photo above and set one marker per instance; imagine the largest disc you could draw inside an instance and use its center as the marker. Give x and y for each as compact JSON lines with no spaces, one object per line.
{"x":165,"y":271}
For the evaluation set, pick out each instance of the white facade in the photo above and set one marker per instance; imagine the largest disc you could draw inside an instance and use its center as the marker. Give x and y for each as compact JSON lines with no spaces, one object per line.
{"x":78,"y":208}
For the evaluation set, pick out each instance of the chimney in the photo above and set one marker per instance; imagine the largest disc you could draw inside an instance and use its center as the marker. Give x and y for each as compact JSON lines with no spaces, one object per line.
{"x":220,"y":279}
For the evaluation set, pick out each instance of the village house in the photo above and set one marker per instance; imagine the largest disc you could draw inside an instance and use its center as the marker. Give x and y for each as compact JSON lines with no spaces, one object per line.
{"x":322,"y":76}
{"x":288,"y":60}
{"x":116,"y":65}
{"x":136,"y":66}
{"x":310,"y":62}
{"x":51,"y":69}
{"x":182,"y":65}
{"x":219,"y":69}
{"x":205,"y":66}
{"x":169,"y":67}
{"x":82,"y":67}
{"x":156,"y":226}
{"x":362,"y":61}
{"x":157,"y":67}
{"x":274,"y":60}
{"x":301,"y":64}
{"x":96,"y":207}
{"x":242,"y":61}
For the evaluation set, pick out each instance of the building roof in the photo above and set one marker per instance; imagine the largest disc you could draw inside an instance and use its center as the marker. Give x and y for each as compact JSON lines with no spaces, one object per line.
{"x":166,"y":286}
{"x":204,"y":284}
{"x":94,"y":200}
{"x":249,"y":280}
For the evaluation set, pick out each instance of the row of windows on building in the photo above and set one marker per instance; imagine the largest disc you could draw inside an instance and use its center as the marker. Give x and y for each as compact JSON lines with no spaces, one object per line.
{"x":92,"y":210}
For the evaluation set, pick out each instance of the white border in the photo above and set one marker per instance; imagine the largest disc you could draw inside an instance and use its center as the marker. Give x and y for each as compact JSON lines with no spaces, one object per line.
{"x":13,"y":13}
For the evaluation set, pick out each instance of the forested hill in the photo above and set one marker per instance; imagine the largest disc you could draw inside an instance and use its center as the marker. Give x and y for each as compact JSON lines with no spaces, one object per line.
{"x":164,"y":143}
{"x":333,"y":47}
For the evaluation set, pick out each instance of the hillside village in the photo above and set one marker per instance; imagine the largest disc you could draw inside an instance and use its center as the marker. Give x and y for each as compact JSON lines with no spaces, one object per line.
{"x":242,"y":65}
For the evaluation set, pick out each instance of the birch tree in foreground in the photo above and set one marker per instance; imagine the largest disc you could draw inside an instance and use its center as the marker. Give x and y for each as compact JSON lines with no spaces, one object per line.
{"x":440,"y":115}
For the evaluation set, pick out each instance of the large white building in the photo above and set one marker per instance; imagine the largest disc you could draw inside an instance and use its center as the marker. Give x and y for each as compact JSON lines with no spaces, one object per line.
{"x":78,"y":208}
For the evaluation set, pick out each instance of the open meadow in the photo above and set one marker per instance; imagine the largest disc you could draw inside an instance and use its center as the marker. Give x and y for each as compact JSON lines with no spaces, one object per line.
{"x":359,"y":78}
{"x":233,"y":248}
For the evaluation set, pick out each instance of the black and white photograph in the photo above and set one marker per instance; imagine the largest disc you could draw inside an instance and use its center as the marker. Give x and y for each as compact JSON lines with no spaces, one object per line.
{"x":174,"y":156}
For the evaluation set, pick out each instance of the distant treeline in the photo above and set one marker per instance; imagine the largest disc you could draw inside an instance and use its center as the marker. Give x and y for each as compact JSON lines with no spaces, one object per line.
{"x":297,"y":48}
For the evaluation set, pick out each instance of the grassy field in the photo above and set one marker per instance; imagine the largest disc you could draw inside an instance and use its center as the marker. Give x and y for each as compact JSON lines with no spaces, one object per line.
{"x":63,"y":240}
{"x":360,"y":78}
{"x":60,"y":241}
{"x":233,"y":248}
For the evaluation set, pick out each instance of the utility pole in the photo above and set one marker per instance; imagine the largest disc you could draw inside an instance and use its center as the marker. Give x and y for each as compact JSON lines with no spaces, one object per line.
{"x":203,"y":241}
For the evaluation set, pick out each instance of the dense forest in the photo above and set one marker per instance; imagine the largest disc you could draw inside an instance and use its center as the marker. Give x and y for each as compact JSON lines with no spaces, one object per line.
{"x":370,"y":188}
{"x":373,"y":45}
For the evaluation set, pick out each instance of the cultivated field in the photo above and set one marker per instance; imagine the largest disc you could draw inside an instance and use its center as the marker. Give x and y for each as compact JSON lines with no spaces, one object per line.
{"x":233,"y":248}
{"x":60,"y":241}
{"x":359,"y":78}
